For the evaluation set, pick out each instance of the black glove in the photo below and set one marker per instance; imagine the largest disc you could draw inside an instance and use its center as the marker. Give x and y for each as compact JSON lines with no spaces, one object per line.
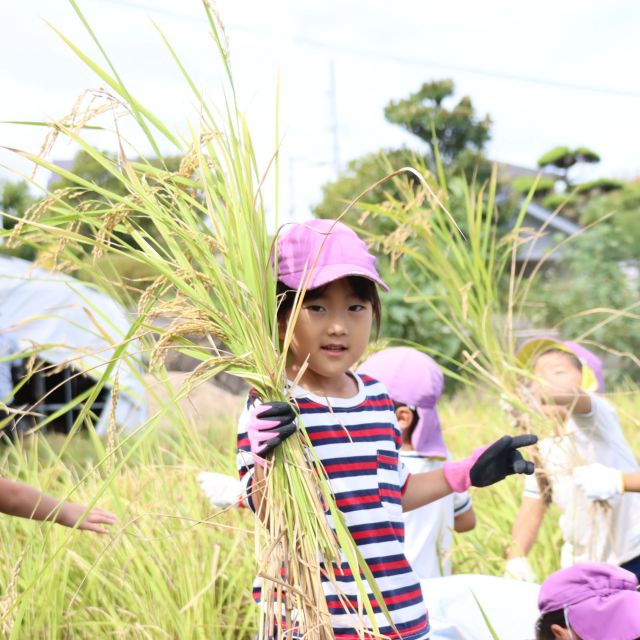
{"x":502,"y":459}
{"x":270,"y":424}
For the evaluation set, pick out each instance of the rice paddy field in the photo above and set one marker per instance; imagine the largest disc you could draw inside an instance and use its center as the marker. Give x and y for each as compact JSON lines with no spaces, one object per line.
{"x":173,"y":567}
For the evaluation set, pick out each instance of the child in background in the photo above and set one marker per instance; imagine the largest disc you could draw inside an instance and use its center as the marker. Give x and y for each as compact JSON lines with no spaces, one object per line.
{"x":415,"y":383}
{"x":25,"y":501}
{"x":589,"y":601}
{"x":351,"y":423}
{"x":589,"y":432}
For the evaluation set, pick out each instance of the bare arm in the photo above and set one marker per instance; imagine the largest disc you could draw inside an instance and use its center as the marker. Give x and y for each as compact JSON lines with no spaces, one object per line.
{"x":465,"y":521}
{"x":572,"y":400}
{"x":25,"y":501}
{"x":579,"y":402}
{"x":256,"y":490}
{"x":424,"y":488}
{"x":526,"y":526}
{"x":631,"y":481}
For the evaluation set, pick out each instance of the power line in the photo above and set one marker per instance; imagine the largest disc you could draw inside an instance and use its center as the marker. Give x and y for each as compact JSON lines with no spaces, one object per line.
{"x":390,"y":57}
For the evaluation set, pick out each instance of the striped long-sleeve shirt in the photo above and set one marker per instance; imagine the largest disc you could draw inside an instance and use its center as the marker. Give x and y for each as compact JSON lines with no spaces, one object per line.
{"x":357,"y":441}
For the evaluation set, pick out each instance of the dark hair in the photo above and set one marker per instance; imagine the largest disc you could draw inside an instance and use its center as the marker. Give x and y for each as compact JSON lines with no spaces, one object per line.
{"x":362,"y":288}
{"x":575,"y":361}
{"x":543,"y":625}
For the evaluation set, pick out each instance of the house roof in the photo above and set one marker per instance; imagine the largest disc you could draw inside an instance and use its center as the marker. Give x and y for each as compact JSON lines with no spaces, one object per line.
{"x":551,"y":219}
{"x":510,"y":171}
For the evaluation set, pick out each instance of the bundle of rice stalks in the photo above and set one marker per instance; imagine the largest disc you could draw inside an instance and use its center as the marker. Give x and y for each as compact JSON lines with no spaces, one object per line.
{"x":202,"y":232}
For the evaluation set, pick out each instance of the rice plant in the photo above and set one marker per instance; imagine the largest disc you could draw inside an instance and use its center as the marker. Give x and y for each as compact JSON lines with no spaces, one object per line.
{"x":201,"y":231}
{"x":480,"y":280}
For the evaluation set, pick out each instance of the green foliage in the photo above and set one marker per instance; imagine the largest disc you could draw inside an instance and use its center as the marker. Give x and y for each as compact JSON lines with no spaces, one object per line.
{"x":359,"y":175}
{"x":543,"y":185}
{"x":588,"y":296}
{"x":15,"y":200}
{"x":456,"y":130}
{"x":560,"y":157}
{"x":601,"y":185}
{"x":202,"y":230}
{"x":556,"y":200}
{"x":564,"y":158}
{"x":583,"y":154}
{"x":623,"y":206}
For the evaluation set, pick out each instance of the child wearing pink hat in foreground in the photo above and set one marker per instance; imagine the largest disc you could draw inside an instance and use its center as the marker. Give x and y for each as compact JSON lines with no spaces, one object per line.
{"x":415,"y":383}
{"x":350,"y":421}
{"x":589,"y":601}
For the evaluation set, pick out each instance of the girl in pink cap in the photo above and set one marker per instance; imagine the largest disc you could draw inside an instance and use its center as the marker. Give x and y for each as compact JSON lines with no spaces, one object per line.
{"x":589,"y":601}
{"x":351,"y":423}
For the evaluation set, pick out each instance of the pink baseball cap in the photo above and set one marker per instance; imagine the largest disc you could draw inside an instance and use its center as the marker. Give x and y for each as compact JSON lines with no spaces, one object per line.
{"x":600,"y":600}
{"x":415,"y":379}
{"x":326,"y":249}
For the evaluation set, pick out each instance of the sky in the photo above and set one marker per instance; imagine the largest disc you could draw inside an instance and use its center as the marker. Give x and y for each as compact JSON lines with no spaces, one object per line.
{"x":548,"y":73}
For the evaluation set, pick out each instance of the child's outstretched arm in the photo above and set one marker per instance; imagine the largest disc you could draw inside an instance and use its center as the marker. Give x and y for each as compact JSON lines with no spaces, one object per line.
{"x":484,"y":467}
{"x":573,"y":400}
{"x":25,"y":501}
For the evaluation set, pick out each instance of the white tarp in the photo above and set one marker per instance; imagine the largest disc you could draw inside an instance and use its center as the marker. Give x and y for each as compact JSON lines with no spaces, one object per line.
{"x":71,"y":323}
{"x":511,"y":607}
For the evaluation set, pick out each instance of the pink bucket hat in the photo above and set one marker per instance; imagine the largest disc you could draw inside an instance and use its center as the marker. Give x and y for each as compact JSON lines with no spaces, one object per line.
{"x":600,"y":600}
{"x":592,"y":369}
{"x":327,"y":249}
{"x":414,"y":379}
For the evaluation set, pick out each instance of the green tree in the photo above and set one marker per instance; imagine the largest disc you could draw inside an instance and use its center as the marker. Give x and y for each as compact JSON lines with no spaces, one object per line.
{"x":591,"y":277}
{"x":563,"y":158}
{"x":15,"y":200}
{"x":359,"y":175}
{"x":457,"y":131}
{"x":623,"y":225}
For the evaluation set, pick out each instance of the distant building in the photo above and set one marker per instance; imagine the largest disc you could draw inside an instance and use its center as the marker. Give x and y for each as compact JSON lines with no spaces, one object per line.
{"x":548,"y":228}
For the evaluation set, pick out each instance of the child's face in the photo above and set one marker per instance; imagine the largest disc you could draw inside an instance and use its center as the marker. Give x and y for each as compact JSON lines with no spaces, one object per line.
{"x":558,"y":371}
{"x":332,"y":330}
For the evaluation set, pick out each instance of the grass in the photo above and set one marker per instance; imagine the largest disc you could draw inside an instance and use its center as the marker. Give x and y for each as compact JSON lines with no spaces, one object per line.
{"x":170,"y":569}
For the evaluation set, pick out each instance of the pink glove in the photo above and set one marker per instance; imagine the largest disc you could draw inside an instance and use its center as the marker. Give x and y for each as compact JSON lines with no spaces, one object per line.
{"x":490,"y":464}
{"x":268,"y":425}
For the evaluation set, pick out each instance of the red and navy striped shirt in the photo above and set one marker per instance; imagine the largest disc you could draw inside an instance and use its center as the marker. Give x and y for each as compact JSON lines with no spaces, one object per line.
{"x":357,"y":441}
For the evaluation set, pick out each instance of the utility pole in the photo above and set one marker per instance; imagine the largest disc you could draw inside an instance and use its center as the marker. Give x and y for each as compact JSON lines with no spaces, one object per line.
{"x":333,"y":99}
